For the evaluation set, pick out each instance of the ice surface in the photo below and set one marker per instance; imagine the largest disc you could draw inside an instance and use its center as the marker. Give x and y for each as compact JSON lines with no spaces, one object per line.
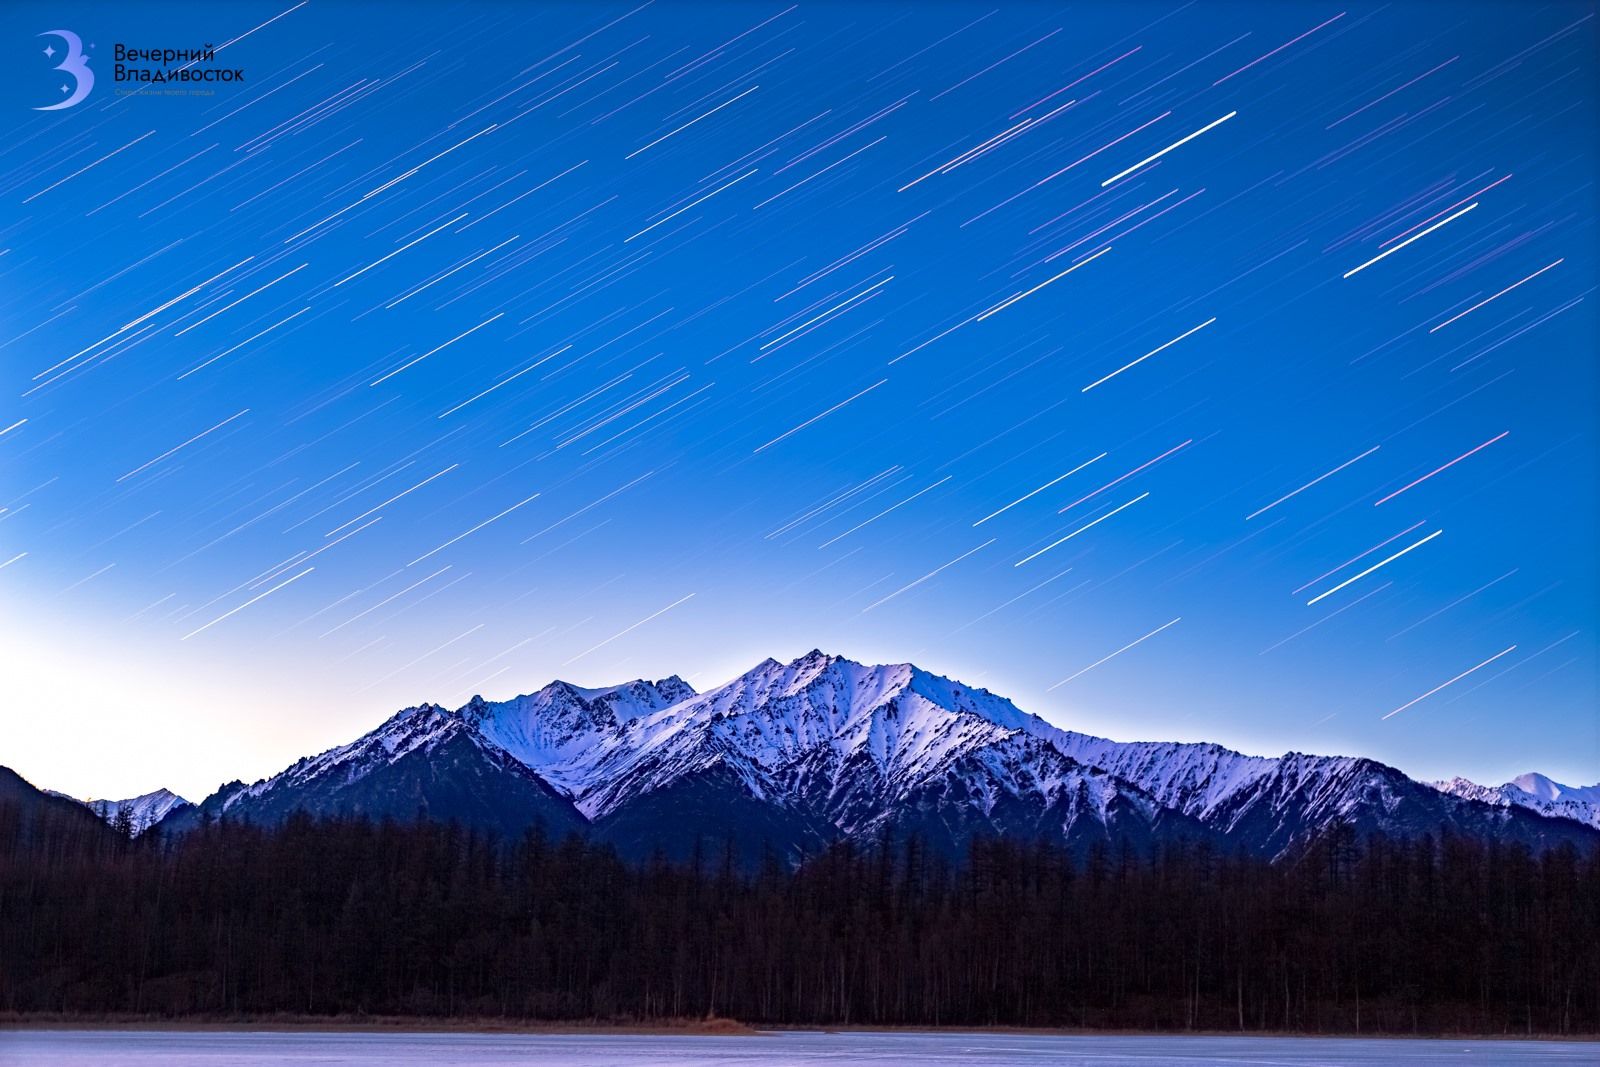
{"x":110,"y":1048}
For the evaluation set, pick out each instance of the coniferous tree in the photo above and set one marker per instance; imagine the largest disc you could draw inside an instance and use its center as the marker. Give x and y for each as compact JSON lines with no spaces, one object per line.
{"x":122,"y":822}
{"x":343,"y":917}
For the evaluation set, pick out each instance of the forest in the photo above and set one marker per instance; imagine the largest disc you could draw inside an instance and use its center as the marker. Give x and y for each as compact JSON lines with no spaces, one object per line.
{"x":351,"y":917}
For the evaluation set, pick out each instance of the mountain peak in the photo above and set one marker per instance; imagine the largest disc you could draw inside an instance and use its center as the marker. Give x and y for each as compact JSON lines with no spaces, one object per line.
{"x":144,"y":810}
{"x":674,"y":689}
{"x":1549,"y":790}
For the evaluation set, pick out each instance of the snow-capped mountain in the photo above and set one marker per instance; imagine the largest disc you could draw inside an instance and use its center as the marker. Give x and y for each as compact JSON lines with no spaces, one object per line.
{"x":423,"y":762}
{"x":144,"y":811}
{"x":1534,"y":792}
{"x":1276,"y":804}
{"x":826,"y":747}
{"x":787,"y":757}
{"x":562,"y":731}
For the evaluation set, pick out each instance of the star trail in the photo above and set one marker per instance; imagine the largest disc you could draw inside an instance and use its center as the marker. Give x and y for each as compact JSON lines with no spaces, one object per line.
{"x":459,"y":345}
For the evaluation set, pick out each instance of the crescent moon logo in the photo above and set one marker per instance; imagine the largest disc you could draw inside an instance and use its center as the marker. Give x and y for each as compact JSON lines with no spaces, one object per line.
{"x":74,"y":63}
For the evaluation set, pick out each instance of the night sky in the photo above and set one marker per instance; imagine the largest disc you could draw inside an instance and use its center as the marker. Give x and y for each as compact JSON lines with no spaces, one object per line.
{"x":1205,"y":372}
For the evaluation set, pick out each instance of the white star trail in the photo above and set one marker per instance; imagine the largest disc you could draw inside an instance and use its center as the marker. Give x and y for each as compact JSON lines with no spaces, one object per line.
{"x":1147,"y":355}
{"x":1042,"y":488}
{"x":627,"y":630}
{"x":693,"y":203}
{"x":185,"y":444}
{"x":913,"y":584}
{"x":1079,"y":530}
{"x":1296,"y":492}
{"x":437,"y":348}
{"x":1439,"y":470}
{"x":1118,"y":652}
{"x":884,"y":512}
{"x":246,"y":604}
{"x":392,"y":499}
{"x":473,"y":530}
{"x":1452,"y":681}
{"x":1375,"y":566}
{"x":1176,"y":144}
{"x":1496,"y":296}
{"x":821,"y":415}
{"x":1415,"y":237}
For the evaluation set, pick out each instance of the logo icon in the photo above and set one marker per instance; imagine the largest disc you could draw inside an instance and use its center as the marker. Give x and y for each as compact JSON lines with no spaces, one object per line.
{"x":74,"y":63}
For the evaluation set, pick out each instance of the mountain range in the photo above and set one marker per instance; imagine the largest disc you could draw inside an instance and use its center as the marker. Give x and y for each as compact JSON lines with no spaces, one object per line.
{"x":789,"y":757}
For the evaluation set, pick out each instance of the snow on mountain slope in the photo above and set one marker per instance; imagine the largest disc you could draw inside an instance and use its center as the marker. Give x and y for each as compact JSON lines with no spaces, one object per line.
{"x":536,"y":746}
{"x":1197,"y":779}
{"x":1021,"y":786}
{"x":144,"y":811}
{"x":787,"y":730}
{"x":787,"y":756}
{"x":791,"y":755}
{"x":1273,"y":805}
{"x":1545,"y":789}
{"x":859,"y":749}
{"x":561,"y":730}
{"x":1535,"y":792}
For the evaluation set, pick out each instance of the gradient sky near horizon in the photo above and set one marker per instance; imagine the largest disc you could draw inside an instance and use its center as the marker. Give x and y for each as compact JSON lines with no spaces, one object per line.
{"x":1196,"y":371}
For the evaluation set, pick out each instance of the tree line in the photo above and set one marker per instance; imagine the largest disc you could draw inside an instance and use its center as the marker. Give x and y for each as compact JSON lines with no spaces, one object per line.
{"x":349,"y":916}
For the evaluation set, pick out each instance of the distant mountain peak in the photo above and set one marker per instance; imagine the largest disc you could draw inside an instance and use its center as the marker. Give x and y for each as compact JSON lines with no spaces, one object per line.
{"x":1535,"y":792}
{"x":144,"y":811}
{"x":1547,"y":789}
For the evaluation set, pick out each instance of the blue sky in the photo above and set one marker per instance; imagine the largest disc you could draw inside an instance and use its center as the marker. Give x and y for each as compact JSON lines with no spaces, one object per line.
{"x":457,"y":349}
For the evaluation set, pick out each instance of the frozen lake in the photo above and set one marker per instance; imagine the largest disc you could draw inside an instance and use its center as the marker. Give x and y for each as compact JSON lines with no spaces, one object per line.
{"x":108,"y":1048}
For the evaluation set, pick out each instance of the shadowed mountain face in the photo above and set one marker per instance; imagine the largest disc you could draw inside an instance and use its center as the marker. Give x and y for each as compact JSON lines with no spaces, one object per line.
{"x":423,"y":763}
{"x":28,"y":800}
{"x":708,"y":811}
{"x":38,"y":822}
{"x":788,"y":757}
